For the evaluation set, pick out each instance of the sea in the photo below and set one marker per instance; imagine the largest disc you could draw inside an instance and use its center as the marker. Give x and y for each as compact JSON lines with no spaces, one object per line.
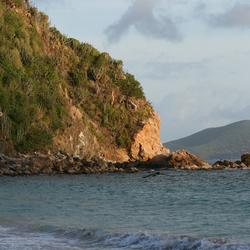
{"x":175,"y":210}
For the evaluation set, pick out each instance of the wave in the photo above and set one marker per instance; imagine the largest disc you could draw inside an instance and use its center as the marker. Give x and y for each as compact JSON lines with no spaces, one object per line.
{"x":49,"y":237}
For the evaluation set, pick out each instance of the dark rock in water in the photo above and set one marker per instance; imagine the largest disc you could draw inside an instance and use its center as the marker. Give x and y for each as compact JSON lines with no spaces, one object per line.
{"x":158,"y":162}
{"x":245,"y":158}
{"x":153,"y":174}
{"x":243,"y":164}
{"x":224,"y":164}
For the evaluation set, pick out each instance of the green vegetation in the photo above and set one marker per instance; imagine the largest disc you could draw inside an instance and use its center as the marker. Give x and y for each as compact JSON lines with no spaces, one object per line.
{"x":28,"y":86}
{"x":40,"y":67}
{"x":228,"y":142}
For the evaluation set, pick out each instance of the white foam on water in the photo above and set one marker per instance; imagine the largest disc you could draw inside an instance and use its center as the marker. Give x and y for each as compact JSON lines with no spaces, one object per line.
{"x":49,"y":238}
{"x":154,"y":242}
{"x":134,"y":240}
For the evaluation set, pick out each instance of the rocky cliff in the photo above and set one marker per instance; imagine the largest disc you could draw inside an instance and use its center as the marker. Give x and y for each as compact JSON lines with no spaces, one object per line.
{"x":57,"y":94}
{"x":146,"y":143}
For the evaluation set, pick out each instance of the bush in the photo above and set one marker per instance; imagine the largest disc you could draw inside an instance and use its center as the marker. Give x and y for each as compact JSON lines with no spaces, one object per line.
{"x":131,"y":87}
{"x":124,"y":139}
{"x":35,"y":139}
{"x":26,"y":58}
{"x":13,"y":25}
{"x":77,"y":77}
{"x":18,"y":2}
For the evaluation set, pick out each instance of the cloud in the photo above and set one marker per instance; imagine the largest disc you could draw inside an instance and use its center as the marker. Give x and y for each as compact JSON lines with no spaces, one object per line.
{"x":140,"y":15}
{"x":238,"y":16}
{"x":161,"y":70}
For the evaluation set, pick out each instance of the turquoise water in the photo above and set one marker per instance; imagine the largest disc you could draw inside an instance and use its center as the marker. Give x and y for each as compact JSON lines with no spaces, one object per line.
{"x":177,"y":210}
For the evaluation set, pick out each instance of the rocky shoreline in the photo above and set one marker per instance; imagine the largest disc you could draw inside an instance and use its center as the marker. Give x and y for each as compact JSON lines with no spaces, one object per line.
{"x":244,"y":163}
{"x":62,"y":163}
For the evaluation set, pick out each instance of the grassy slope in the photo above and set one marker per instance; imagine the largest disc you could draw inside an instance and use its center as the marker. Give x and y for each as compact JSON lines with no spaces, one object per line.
{"x":42,"y":71}
{"x":227,"y":142}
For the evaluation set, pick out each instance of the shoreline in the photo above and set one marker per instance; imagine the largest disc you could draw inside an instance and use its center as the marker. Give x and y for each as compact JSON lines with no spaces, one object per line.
{"x":57,"y":164}
{"x":61,"y":163}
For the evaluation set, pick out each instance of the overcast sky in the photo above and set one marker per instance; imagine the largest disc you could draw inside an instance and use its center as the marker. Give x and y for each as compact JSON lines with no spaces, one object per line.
{"x":191,"y":56}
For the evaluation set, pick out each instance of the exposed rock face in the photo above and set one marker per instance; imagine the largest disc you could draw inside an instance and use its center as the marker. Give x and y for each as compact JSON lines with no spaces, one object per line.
{"x":77,"y":140}
{"x":179,"y":160}
{"x":116,"y":155}
{"x":146,"y":144}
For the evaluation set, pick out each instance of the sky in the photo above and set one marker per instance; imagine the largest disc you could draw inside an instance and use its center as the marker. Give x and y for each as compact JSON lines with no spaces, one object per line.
{"x":192,"y":57}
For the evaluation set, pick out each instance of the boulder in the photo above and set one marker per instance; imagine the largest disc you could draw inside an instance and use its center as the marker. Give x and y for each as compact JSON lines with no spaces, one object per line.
{"x":244,"y":163}
{"x":245,"y":158}
{"x":159,"y":161}
{"x":182,"y":159}
{"x":225,"y":164}
{"x":218,"y":166}
{"x":179,"y":160}
{"x":243,"y":166}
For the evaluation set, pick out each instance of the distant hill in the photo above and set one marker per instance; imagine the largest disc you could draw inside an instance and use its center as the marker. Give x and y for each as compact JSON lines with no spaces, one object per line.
{"x":228,"y":142}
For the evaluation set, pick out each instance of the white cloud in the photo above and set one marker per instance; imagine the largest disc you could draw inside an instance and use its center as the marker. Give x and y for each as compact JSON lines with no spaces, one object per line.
{"x":141,"y":16}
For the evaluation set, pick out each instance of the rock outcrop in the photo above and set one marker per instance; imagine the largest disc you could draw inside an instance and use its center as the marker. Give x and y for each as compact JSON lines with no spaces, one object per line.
{"x":146,"y":143}
{"x":245,"y":158}
{"x":244,"y":163}
{"x":77,"y":140}
{"x":179,"y":160}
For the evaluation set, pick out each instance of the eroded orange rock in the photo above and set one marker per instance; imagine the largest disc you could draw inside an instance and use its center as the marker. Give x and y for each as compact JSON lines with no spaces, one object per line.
{"x":182,"y":159}
{"x":146,"y":143}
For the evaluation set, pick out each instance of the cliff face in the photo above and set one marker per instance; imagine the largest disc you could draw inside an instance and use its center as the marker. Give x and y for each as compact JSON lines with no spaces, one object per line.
{"x":146,"y":143}
{"x":59,"y":94}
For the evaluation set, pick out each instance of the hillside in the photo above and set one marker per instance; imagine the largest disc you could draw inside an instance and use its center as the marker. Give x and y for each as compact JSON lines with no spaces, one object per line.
{"x":228,"y":142}
{"x":57,"y":93}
